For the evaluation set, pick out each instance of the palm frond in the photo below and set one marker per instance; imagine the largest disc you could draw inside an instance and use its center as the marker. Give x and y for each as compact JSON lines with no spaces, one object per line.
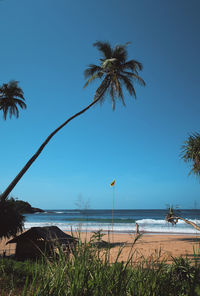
{"x":91,"y":70}
{"x":95,"y":76}
{"x":14,"y":111}
{"x":133,"y":65}
{"x":120,"y":93}
{"x":136,"y":77}
{"x":20,"y":103}
{"x":5,"y":112}
{"x":104,"y":48}
{"x":120,"y":53}
{"x":112,"y":91}
{"x":19,"y":95}
{"x":128,"y":85}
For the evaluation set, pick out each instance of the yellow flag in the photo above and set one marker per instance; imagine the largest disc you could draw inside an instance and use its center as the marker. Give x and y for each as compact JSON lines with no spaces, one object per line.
{"x":112,"y":183}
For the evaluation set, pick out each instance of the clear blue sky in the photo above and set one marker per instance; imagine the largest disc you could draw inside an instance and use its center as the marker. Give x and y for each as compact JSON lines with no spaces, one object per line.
{"x":46,"y":45}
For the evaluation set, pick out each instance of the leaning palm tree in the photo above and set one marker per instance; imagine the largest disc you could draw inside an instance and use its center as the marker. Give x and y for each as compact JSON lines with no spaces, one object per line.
{"x":173,"y":218}
{"x":11,"y":97}
{"x":114,"y":71}
{"x":191,"y":153}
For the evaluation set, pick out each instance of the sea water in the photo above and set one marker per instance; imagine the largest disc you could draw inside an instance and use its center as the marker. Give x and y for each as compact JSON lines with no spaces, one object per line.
{"x":123,"y":221}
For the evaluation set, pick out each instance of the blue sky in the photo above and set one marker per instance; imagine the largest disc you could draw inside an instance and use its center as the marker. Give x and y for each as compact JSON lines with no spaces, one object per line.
{"x":46,"y":45}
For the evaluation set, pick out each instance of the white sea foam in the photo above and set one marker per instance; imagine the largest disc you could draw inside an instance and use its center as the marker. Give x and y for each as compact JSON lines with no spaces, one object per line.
{"x":153,"y":221}
{"x":159,"y":227}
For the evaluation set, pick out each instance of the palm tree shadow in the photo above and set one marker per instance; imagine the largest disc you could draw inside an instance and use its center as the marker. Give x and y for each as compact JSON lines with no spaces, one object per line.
{"x":190,"y":239}
{"x":103,"y":244}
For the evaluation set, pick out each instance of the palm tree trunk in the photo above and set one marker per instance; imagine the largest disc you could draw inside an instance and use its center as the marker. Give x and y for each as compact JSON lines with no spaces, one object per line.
{"x":5,"y":194}
{"x":185,"y":220}
{"x":189,"y":222}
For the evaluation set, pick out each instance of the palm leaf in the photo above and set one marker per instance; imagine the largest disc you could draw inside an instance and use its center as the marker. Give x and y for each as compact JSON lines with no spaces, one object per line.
{"x":20,"y":103}
{"x":120,"y":53}
{"x":133,"y":65}
{"x":135,"y":77}
{"x":104,"y":48}
{"x":91,"y":70}
{"x":128,"y":85}
{"x":91,"y":79}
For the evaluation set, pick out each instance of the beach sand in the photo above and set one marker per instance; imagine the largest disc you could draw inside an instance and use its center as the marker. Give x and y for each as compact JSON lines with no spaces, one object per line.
{"x":164,"y":246}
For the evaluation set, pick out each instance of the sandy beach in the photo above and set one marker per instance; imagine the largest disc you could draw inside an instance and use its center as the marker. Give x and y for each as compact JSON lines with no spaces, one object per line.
{"x":164,"y":246}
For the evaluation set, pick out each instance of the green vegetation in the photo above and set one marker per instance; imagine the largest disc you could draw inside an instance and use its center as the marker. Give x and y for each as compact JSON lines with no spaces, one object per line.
{"x":115,"y":71}
{"x":191,"y":153}
{"x":23,"y":206}
{"x":11,"y":218}
{"x":88,"y":271}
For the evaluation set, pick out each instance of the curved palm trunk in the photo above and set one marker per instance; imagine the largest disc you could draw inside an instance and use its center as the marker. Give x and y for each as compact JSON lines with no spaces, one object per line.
{"x":5,"y":194}
{"x":170,"y":219}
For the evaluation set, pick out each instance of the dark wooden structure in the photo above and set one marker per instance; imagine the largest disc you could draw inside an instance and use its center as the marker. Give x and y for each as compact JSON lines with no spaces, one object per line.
{"x":38,"y":241}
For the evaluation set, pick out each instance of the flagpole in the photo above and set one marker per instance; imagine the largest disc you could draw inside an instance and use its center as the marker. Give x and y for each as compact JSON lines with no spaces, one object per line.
{"x":113,"y":208}
{"x":112,"y":184}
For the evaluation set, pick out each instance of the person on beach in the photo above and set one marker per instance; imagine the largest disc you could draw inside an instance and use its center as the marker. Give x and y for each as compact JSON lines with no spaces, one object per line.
{"x":137,"y":229}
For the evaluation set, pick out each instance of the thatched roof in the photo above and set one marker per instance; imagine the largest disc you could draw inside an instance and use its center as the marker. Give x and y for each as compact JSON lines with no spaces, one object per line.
{"x":48,"y":234}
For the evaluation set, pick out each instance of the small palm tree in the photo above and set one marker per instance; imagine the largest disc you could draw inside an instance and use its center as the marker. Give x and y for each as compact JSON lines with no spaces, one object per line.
{"x":115,"y":70}
{"x":11,"y":97}
{"x":191,"y":153}
{"x":173,"y":217}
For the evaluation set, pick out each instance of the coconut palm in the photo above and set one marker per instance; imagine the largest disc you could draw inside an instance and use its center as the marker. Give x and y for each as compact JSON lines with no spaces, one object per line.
{"x":114,"y":71}
{"x":11,"y":97}
{"x":11,"y":219}
{"x":191,"y":153}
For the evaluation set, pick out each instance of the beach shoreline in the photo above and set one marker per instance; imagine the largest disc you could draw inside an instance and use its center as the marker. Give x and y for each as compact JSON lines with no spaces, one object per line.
{"x":149,"y":245}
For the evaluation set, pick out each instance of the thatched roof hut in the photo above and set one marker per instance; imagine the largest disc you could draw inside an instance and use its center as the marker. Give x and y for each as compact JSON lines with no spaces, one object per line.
{"x":41,"y":240}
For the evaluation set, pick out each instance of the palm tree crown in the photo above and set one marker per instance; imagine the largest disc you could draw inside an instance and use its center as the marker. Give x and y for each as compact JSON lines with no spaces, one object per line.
{"x":191,"y":152}
{"x":115,"y":71}
{"x":11,"y":96}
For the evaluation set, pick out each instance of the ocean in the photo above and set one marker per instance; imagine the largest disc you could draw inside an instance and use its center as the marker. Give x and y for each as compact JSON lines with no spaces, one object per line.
{"x":124,"y":221}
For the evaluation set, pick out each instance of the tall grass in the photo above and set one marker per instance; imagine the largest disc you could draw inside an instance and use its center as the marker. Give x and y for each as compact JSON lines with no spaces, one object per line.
{"x":88,"y":271}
